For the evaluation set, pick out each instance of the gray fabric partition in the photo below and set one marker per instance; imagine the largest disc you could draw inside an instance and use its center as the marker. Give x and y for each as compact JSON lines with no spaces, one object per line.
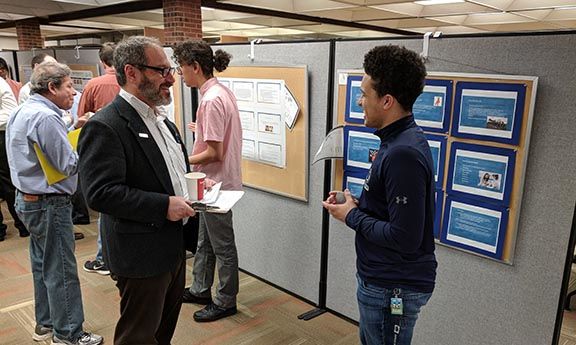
{"x":25,"y":58}
{"x":479,"y":301}
{"x":87,"y":56}
{"x":279,"y":238}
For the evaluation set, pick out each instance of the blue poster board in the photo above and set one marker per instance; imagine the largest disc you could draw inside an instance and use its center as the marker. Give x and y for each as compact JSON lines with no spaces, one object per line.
{"x":433,"y":107}
{"x":354,"y":181}
{"x":353,"y":112}
{"x":489,"y":111}
{"x":360,"y":147}
{"x":481,"y":172}
{"x":475,"y":226}
{"x":437,"y":145}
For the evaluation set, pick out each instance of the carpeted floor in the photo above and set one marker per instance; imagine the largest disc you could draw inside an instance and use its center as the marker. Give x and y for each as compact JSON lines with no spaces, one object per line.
{"x":266,"y":315}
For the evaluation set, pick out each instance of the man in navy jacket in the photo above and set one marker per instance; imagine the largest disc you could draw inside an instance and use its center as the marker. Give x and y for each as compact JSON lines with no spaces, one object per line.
{"x":394,"y":216}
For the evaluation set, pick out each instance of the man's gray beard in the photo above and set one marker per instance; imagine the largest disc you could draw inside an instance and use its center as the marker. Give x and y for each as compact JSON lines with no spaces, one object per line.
{"x":146,"y":88}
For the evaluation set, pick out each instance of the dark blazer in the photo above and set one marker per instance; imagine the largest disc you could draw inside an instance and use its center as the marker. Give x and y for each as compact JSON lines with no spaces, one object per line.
{"x":123,"y":175}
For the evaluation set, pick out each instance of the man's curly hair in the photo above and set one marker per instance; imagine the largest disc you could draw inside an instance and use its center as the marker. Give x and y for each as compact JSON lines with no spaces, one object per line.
{"x":396,"y":71}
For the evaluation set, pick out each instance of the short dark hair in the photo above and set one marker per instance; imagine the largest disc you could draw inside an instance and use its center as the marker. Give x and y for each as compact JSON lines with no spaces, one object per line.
{"x":106,"y":53}
{"x":196,"y":50}
{"x":38,"y":59}
{"x":132,"y":51}
{"x":4,"y":64}
{"x":396,"y":71}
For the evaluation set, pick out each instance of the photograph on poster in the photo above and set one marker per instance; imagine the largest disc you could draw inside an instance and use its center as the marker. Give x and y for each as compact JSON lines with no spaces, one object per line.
{"x":243,"y":90}
{"x":270,"y":123}
{"x":354,"y":181}
{"x":247,"y":120}
{"x":481,"y":172}
{"x":439,"y":197}
{"x":489,"y":111}
{"x":475,"y":226}
{"x":271,"y":153}
{"x":432,"y":108}
{"x":360,"y":147}
{"x":248,"y":149}
{"x":437,"y":145}
{"x":269,"y":92}
{"x":353,"y":112}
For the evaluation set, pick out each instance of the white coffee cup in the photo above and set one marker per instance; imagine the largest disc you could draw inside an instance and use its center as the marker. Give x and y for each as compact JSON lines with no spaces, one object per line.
{"x":195,"y":184}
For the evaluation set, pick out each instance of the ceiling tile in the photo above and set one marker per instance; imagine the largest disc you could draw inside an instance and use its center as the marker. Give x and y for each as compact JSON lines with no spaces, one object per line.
{"x":405,"y":23}
{"x":357,"y":14}
{"x":495,"y":18}
{"x":518,"y":27}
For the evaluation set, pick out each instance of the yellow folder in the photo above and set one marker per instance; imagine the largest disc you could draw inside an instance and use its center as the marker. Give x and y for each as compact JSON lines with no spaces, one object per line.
{"x":53,"y":175}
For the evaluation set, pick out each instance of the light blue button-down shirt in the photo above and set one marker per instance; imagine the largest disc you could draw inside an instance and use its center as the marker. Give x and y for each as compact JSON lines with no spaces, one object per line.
{"x":39,"y":121}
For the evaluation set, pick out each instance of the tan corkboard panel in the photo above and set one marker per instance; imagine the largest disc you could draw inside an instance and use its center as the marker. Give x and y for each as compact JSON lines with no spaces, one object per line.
{"x":291,"y":181}
{"x":521,"y":157}
{"x":521,"y":149}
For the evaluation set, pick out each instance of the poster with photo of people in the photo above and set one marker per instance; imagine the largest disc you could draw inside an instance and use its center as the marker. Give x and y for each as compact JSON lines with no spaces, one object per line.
{"x":489,"y":111}
{"x":482,"y":172}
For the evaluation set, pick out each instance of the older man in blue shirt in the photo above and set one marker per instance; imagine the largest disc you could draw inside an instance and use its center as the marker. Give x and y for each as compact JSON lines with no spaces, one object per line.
{"x":45,"y":208}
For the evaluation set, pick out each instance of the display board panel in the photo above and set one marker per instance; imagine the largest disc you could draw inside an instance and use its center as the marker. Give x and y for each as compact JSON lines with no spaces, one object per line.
{"x":479,"y":146}
{"x":292,"y":180}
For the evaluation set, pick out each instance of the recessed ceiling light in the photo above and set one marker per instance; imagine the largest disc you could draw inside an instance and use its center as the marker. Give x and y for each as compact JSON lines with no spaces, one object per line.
{"x":436,"y":2}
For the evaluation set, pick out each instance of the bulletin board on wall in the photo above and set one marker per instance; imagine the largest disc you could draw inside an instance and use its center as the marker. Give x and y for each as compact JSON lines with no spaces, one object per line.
{"x":478,"y":127}
{"x":82,"y":74}
{"x":291,"y":179}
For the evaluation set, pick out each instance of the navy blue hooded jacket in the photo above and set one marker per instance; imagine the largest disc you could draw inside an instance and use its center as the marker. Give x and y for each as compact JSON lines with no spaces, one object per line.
{"x":394,"y":219}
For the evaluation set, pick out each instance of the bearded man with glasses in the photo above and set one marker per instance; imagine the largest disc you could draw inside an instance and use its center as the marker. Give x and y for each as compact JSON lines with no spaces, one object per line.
{"x":132,"y":166}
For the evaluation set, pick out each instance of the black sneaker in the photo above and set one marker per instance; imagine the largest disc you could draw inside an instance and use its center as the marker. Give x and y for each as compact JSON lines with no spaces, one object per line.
{"x":212,"y":312}
{"x":42,"y":333}
{"x":188,"y":297}
{"x":96,"y":266}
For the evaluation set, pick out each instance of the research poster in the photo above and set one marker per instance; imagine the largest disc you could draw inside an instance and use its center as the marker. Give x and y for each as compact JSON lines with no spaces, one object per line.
{"x":360,"y":147}
{"x":433,"y":107}
{"x":354,"y":181}
{"x":437,"y":145}
{"x":489,"y":111}
{"x":475,"y":226}
{"x":80,"y":79}
{"x":262,"y":107}
{"x":481,"y":171}
{"x":353,"y":112}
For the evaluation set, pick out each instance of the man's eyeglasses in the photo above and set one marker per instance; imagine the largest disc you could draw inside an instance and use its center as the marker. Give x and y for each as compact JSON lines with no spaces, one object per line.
{"x":164,"y":71}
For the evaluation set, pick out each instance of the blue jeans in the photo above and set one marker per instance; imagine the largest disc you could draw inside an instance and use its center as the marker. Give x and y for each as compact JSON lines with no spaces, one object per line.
{"x":58,"y":300}
{"x":377,"y":324}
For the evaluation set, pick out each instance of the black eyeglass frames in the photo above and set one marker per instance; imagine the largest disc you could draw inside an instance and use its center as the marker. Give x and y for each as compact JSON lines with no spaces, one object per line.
{"x":164,"y":71}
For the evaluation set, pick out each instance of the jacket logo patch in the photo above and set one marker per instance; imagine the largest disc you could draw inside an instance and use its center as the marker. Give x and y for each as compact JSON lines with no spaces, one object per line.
{"x":402,"y":200}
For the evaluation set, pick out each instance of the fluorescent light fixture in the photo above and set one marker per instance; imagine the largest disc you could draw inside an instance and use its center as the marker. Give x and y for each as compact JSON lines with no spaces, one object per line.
{"x":436,"y":2}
